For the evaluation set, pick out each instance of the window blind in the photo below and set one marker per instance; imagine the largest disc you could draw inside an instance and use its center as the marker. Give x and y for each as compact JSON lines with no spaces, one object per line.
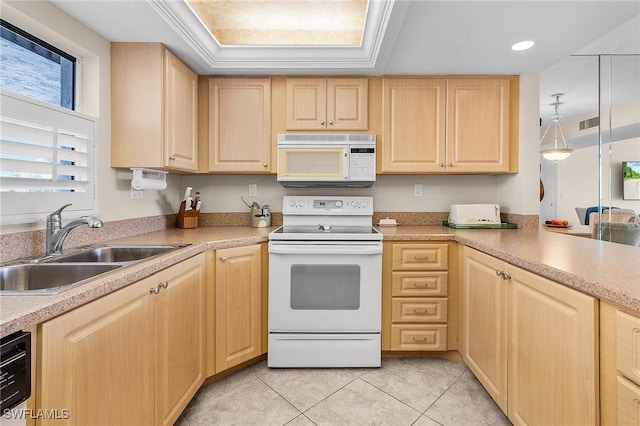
{"x":47,"y":159}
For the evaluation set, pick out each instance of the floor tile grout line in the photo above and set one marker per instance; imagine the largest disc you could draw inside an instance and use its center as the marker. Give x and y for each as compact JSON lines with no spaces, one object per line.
{"x":283,"y":397}
{"x":424,"y":413}
{"x":392,"y":396}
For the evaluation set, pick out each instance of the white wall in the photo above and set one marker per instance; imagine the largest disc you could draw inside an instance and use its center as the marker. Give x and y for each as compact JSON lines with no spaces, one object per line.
{"x":49,"y":23}
{"x":578,"y":177}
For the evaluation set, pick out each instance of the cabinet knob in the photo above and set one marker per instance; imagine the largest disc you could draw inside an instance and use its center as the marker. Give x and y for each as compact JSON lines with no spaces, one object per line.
{"x":322,"y":122}
{"x":265,"y":164}
{"x":498,"y":272}
{"x":450,"y":165}
{"x":505,"y":276}
{"x":172,"y":157}
{"x":155,"y":290}
{"x":164,"y":284}
{"x":441,"y":164}
{"x":223,"y":258}
{"x":330,"y":122}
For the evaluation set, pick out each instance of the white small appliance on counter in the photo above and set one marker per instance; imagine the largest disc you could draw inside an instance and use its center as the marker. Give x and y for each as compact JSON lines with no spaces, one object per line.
{"x":474,"y":214}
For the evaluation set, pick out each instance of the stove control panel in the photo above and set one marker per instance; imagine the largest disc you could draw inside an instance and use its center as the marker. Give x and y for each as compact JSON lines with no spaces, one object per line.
{"x":326,"y":205}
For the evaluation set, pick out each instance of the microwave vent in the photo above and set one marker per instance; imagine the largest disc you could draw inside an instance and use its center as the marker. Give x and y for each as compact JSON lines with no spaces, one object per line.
{"x":349,"y":137}
{"x":589,"y":123}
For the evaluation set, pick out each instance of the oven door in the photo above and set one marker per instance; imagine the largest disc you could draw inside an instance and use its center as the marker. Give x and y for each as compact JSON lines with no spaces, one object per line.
{"x":325,"y":287}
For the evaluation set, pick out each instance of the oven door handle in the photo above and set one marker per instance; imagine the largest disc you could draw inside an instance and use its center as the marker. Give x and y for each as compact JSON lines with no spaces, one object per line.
{"x":335,"y":249}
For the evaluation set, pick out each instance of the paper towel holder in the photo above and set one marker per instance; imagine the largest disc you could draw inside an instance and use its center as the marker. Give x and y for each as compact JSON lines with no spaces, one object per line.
{"x":141,"y":183}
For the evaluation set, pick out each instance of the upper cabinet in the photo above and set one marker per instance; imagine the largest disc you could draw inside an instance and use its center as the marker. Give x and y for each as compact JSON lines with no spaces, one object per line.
{"x":154,"y":108}
{"x":235,"y":125}
{"x":452,"y":125}
{"x":327,"y":103}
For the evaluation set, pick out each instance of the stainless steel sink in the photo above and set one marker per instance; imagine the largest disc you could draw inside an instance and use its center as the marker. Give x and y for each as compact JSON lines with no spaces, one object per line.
{"x":48,"y":278}
{"x":60,"y":272}
{"x":117,"y":254}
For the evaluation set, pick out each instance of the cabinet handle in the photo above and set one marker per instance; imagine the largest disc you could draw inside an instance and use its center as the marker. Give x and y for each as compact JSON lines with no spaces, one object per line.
{"x":420,"y":311}
{"x":450,"y":164}
{"x":155,"y":290}
{"x":164,"y":284}
{"x":223,"y":258}
{"x":505,"y":276}
{"x":441,"y":164}
{"x":264,"y":164}
{"x":420,"y":339}
{"x":498,"y":272}
{"x":322,"y":122}
{"x":420,"y":285}
{"x":330,"y":122}
{"x":172,"y":157}
{"x":421,"y":257}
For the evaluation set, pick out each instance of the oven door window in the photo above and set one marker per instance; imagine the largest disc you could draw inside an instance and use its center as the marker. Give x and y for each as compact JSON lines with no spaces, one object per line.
{"x":325,"y":287}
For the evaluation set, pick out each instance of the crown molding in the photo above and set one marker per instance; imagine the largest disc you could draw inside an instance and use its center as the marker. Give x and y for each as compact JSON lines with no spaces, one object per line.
{"x":187,"y":24}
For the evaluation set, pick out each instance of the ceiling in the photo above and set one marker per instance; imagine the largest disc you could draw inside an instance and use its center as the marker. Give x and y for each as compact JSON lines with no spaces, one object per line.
{"x":405,"y":37}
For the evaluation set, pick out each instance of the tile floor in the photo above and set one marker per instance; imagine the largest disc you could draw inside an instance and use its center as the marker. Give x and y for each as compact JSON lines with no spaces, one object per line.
{"x":404,"y":391}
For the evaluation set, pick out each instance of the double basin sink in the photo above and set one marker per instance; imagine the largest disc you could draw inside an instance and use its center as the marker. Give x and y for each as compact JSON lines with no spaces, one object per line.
{"x":56,"y":273}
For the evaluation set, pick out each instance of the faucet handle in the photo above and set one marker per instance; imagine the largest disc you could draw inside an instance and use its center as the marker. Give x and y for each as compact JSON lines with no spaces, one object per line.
{"x":57,"y":215}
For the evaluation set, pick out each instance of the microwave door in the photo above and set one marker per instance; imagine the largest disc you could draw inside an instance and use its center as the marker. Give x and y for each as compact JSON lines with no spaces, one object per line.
{"x":306,"y":163}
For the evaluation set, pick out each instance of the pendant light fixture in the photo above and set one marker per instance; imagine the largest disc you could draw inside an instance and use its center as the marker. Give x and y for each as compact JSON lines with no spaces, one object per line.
{"x":556,"y":154}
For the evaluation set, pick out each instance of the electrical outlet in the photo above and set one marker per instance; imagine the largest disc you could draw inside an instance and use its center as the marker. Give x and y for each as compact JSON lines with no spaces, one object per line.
{"x":253,"y":190}
{"x":135,"y":194}
{"x":417,"y":190}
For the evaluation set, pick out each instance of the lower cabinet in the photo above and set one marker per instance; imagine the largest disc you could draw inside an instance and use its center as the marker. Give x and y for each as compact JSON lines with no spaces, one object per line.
{"x":531,"y":342}
{"x":619,"y":366}
{"x":134,"y":356}
{"x":238,"y":307}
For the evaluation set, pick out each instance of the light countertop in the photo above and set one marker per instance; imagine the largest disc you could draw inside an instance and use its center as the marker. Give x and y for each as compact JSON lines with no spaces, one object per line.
{"x":605,"y":270}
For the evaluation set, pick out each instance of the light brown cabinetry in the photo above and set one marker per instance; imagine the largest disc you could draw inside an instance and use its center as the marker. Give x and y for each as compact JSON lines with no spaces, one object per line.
{"x":238,"y":306}
{"x":531,"y":342}
{"x":154,"y":108}
{"x":235,"y":125}
{"x":619,"y":366}
{"x":327,"y":103}
{"x":415,"y":311}
{"x":449,"y":125}
{"x":134,"y":356}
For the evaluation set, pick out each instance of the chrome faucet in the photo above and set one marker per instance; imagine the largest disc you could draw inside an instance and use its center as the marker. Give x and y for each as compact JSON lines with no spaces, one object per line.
{"x":56,"y":233}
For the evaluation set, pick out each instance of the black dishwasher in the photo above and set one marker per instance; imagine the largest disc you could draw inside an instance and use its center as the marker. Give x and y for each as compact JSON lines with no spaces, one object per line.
{"x":15,"y":369}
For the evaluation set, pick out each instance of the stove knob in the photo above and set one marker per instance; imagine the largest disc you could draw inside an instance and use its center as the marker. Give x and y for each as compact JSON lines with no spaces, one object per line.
{"x":338,"y":203}
{"x":355,"y":204}
{"x":364,"y":204}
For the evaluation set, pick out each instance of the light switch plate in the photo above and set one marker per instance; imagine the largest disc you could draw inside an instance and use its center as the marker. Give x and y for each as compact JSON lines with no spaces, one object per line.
{"x":253,"y":190}
{"x":417,"y":190}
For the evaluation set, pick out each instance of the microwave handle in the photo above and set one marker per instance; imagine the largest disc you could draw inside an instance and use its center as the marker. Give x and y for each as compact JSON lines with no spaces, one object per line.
{"x":346,"y":165}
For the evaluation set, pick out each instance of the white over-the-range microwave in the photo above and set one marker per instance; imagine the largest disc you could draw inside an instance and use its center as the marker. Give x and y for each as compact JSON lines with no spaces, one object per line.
{"x":326,"y":160}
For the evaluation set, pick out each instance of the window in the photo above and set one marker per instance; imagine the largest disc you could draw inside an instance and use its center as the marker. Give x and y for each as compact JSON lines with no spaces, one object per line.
{"x":32,"y":67}
{"x":47,"y":159}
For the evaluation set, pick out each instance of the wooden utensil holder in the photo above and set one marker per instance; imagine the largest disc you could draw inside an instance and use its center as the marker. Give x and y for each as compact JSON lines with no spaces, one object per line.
{"x":187,"y":218}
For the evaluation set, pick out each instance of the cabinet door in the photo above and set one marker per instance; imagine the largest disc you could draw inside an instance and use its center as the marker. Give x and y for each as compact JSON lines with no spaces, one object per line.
{"x":485,"y":323}
{"x":478,"y":125}
{"x":98,"y":361}
{"x":413,"y":125}
{"x":306,"y":103}
{"x":239,"y":125}
{"x":238,"y":306}
{"x":180,"y":109}
{"x":347,"y":104}
{"x":180,"y":328}
{"x":552,"y":353}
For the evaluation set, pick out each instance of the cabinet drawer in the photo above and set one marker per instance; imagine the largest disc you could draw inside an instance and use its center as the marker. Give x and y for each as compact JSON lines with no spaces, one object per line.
{"x":415,"y":309}
{"x":410,"y":337}
{"x":420,"y":256}
{"x":628,"y":403}
{"x":628,"y":345}
{"x":419,"y":283}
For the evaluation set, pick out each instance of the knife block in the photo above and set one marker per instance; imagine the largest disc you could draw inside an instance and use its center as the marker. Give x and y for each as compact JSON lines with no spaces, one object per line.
{"x":187,"y":218}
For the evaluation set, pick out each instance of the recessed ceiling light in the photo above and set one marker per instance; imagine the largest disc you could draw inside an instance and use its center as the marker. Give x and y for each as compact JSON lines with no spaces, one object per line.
{"x":522,"y":45}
